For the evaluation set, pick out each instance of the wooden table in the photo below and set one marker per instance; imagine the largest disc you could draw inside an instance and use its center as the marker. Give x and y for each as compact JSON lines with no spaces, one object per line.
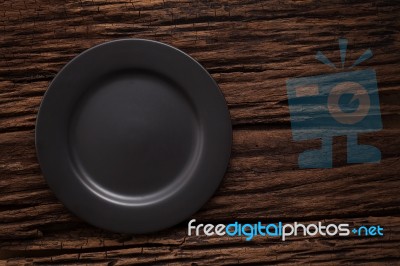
{"x":251,"y":48}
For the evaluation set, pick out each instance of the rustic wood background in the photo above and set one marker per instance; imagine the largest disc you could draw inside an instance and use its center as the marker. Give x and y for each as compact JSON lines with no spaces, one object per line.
{"x":250,"y":47}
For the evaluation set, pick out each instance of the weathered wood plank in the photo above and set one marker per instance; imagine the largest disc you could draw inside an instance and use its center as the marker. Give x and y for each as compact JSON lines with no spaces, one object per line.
{"x":176,"y":248}
{"x":250,"y":48}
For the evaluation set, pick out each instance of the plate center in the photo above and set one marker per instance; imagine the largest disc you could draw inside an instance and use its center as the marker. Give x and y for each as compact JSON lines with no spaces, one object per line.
{"x":133,"y":134}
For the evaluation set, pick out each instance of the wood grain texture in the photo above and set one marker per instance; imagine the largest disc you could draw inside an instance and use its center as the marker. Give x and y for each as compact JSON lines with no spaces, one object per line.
{"x":251,"y":48}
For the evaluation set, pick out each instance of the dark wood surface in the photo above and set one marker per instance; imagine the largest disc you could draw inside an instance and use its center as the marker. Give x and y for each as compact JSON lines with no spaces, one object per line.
{"x":251,"y":48}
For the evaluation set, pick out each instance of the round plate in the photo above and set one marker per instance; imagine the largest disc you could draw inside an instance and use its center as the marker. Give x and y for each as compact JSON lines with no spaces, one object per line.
{"x":133,"y":136}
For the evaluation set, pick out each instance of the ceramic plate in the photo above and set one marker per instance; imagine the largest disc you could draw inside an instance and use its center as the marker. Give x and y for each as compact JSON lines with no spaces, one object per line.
{"x":133,"y":136}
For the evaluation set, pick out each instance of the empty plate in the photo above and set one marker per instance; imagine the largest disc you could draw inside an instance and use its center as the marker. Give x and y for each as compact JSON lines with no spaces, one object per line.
{"x":133,"y":136}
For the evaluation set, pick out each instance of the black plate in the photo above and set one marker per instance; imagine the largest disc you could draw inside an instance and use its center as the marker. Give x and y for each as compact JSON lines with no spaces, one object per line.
{"x":133,"y":136}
